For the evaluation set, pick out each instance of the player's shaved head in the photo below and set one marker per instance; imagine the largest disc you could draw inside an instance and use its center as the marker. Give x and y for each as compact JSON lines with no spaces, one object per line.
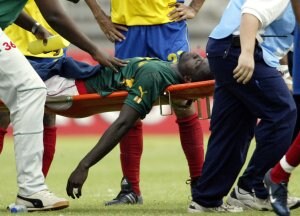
{"x":194,"y":68}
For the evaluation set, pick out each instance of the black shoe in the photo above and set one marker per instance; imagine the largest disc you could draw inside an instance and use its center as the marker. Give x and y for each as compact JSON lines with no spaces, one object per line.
{"x":192,"y":182}
{"x":278,"y":195}
{"x":126,"y":195}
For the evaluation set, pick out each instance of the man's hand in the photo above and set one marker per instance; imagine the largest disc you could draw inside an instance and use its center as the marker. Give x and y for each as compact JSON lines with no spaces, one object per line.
{"x":41,"y":33}
{"x":76,"y":181}
{"x":244,"y":71}
{"x":111,"y":30}
{"x":109,"y":61}
{"x":181,"y":12}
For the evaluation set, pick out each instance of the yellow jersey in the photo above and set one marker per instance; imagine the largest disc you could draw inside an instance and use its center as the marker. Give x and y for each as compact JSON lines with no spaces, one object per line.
{"x":141,"y":12}
{"x":22,"y":38}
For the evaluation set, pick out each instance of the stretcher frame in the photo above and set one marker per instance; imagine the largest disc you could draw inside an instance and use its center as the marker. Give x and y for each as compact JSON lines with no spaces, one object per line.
{"x":84,"y":105}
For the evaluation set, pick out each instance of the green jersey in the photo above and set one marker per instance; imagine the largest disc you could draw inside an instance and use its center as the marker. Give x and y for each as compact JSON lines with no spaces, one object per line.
{"x":145,"y":79}
{"x":9,"y":11}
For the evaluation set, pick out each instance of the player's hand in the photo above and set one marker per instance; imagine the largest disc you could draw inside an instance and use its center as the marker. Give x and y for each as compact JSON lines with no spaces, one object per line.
{"x":76,"y":181}
{"x":244,"y":70}
{"x":109,"y":61}
{"x":181,"y":12}
{"x":42,"y":33}
{"x":111,"y":30}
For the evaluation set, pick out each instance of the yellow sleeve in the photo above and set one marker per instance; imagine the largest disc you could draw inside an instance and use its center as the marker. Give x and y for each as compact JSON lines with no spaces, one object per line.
{"x":22,"y":38}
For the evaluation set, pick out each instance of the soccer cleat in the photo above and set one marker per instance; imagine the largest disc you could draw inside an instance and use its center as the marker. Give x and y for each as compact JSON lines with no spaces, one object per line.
{"x":247,"y":200}
{"x":42,"y":201}
{"x":278,"y":195}
{"x":126,"y":195}
{"x":196,"y":208}
{"x":293,"y":202}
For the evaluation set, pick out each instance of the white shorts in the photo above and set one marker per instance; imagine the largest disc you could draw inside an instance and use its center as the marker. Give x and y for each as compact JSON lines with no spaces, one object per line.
{"x":58,"y":86}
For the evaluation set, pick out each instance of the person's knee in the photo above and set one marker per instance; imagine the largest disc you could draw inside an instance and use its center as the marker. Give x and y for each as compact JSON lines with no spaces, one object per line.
{"x":49,"y":120}
{"x":41,"y":93}
{"x":183,"y":109}
{"x":35,"y":97}
{"x":291,"y":113}
{"x":138,"y":123}
{"x":4,"y":120}
{"x":31,"y":105}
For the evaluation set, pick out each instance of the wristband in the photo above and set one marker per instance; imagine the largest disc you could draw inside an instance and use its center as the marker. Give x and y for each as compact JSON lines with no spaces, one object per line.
{"x":35,"y":27}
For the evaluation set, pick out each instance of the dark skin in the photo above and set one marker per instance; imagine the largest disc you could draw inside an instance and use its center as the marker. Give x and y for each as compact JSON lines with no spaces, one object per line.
{"x":26,"y":22}
{"x":113,"y":31}
{"x":56,"y":17}
{"x":296,"y":8}
{"x":191,"y":67}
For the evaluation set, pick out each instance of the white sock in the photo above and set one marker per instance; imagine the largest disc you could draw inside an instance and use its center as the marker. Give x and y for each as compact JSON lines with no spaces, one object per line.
{"x":286,"y":166}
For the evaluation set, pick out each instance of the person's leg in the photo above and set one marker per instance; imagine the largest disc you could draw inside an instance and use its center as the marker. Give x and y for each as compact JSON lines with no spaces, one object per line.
{"x":49,"y":141}
{"x":190,"y":130}
{"x":282,"y":170}
{"x":131,"y":145}
{"x":278,"y":191}
{"x":49,"y":137}
{"x":296,"y":65}
{"x":64,"y":66}
{"x":4,"y":123}
{"x":46,"y":68}
{"x":231,"y":125}
{"x":296,"y":74}
{"x":297,"y":126}
{"x":191,"y":137}
{"x":274,"y":131}
{"x":24,"y":93}
{"x":273,"y":134}
{"x":276,"y":180}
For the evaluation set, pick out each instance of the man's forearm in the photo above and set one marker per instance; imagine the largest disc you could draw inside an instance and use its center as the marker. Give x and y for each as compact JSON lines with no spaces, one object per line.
{"x":25,"y":21}
{"x":196,"y":5}
{"x":55,"y":15}
{"x":296,"y":8}
{"x":95,"y":8}
{"x":111,"y":137}
{"x":248,"y":30}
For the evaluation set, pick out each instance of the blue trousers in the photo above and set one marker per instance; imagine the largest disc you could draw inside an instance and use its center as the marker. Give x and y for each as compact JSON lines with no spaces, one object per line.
{"x":236,"y":110}
{"x":296,"y":63}
{"x":65,"y":67}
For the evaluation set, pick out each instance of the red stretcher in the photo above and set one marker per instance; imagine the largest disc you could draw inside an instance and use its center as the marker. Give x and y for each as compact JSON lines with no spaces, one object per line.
{"x":80,"y":106}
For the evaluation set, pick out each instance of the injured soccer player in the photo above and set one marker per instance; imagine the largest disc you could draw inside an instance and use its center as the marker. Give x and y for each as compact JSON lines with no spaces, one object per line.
{"x":145,"y":79}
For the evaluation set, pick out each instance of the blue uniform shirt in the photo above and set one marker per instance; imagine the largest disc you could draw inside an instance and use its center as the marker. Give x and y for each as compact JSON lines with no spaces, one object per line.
{"x":279,"y":33}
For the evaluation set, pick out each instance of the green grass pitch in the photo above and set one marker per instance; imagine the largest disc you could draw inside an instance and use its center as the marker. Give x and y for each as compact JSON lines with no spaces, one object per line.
{"x":163,"y":175}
